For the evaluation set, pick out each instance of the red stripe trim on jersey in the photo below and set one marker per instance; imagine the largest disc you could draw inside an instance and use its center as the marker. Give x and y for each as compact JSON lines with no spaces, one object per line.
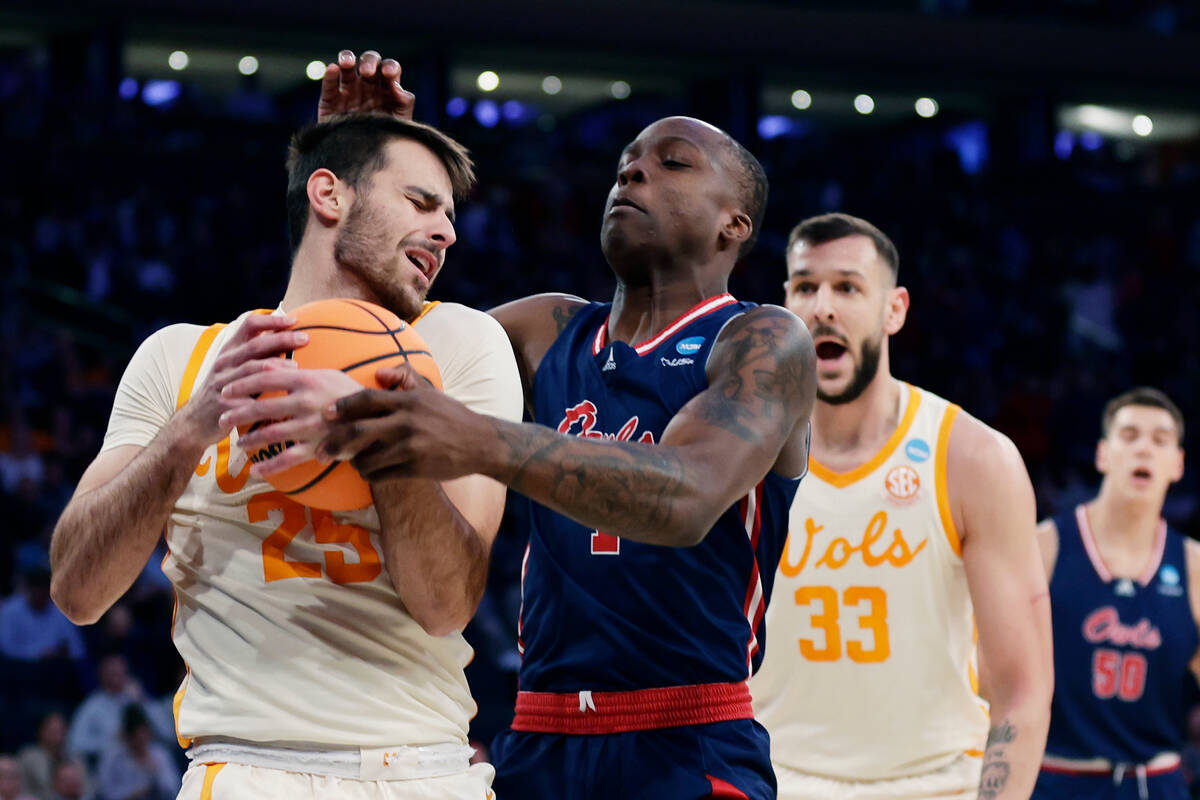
{"x":1159,"y":765}
{"x":1089,"y":543}
{"x":701,"y":309}
{"x":725,"y":789}
{"x":638,"y":710}
{"x":521,"y":611}
{"x":754,"y":607}
{"x":1093,"y":550}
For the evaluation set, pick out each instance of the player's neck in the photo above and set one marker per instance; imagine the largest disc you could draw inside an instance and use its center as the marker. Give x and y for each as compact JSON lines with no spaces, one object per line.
{"x":640,"y":312}
{"x":1120,"y":525}
{"x":315,"y":277}
{"x":858,"y":429}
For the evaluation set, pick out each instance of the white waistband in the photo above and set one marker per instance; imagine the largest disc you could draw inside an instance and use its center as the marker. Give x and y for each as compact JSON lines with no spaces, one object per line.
{"x":1166,"y":760}
{"x":400,"y":763}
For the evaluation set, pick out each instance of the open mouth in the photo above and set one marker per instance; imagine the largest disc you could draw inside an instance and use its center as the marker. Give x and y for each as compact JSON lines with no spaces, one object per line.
{"x":830,"y":351}
{"x":1142,"y":474}
{"x":422,"y":259}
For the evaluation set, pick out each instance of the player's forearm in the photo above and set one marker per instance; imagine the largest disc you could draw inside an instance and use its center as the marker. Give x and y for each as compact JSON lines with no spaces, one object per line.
{"x":647,"y":493}
{"x":1016,"y":741}
{"x":105,"y":535}
{"x":436,"y":560}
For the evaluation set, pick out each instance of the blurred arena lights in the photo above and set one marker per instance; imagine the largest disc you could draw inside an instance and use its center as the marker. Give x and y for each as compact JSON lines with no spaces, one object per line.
{"x":487,"y":113}
{"x":773,"y":126}
{"x":1064,"y":143}
{"x":315,"y":70}
{"x":1142,"y":125}
{"x":160,"y":93}
{"x":178,"y":60}
{"x":1090,"y":140}
{"x":248,"y":65}
{"x":488,"y":81}
{"x":128,"y":89}
{"x":619,"y":89}
{"x":456,"y":107}
{"x":864,"y":104}
{"x":801,"y":99}
{"x":514,"y":111}
{"x":926,"y":107}
{"x":551,"y":84}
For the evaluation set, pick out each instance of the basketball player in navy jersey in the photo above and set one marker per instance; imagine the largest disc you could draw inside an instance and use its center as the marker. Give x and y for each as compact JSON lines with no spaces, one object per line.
{"x":672,"y":430}
{"x":1125,"y":598}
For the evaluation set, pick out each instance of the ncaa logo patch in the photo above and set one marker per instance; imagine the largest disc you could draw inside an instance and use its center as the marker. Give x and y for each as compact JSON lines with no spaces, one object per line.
{"x":1168,"y":581}
{"x":689,"y":346}
{"x":902,"y":484}
{"x":917,"y":450}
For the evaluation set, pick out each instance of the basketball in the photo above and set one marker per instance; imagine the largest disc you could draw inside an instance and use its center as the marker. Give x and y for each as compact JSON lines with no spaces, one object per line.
{"x":358,"y":338}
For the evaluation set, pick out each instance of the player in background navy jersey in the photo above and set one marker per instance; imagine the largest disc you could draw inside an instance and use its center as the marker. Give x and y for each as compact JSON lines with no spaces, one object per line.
{"x":672,"y":428}
{"x":1124,"y":594}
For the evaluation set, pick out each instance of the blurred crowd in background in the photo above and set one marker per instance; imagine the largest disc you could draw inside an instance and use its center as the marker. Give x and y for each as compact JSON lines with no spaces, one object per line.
{"x":1047,"y":274}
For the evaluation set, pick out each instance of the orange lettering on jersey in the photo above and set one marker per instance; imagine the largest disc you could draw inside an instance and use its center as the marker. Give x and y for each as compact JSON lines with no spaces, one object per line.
{"x":789,"y":569}
{"x":838,"y":552}
{"x":202,"y":467}
{"x":229,"y":483}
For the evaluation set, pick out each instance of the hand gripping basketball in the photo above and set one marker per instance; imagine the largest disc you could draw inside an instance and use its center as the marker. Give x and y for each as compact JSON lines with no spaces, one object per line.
{"x":354,"y":337}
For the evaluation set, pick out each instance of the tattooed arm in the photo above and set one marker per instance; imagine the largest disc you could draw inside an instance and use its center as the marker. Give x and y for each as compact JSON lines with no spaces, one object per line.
{"x":532,"y":325}
{"x":752,"y":418}
{"x":992,"y":505}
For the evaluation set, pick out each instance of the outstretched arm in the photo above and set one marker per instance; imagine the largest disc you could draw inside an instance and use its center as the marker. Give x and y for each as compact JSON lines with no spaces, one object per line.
{"x":717,"y":447}
{"x":993,"y":506}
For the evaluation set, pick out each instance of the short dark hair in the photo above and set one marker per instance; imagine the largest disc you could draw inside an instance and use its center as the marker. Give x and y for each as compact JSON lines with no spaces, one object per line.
{"x":830,"y":227}
{"x":352,"y":146}
{"x":752,"y":189}
{"x":133,"y":716}
{"x":1141,"y":396}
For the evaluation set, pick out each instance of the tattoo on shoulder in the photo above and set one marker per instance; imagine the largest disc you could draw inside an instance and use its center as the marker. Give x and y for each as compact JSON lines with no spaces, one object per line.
{"x":996,"y":768}
{"x":763,"y":376}
{"x":563,"y":313}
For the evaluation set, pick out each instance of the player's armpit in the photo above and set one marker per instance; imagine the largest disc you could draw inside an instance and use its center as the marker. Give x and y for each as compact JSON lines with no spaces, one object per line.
{"x":993,"y":508}
{"x":532,"y":325}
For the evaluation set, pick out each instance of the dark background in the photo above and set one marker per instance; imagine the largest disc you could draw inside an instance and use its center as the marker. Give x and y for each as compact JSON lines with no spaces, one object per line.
{"x":1053,"y":255}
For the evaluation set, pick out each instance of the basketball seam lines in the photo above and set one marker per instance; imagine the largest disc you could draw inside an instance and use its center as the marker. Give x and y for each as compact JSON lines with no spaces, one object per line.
{"x":399,"y":346}
{"x":406,"y":354}
{"x":389,"y":332}
{"x":315,"y":480}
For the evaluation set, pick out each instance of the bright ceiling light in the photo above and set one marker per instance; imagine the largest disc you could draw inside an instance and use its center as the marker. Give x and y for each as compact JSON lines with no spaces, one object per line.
{"x":487,"y":81}
{"x":801,"y":99}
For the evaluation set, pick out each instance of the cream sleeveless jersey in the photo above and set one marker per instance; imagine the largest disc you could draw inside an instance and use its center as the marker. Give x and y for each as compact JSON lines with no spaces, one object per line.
{"x":288,"y":623}
{"x":869,"y":672}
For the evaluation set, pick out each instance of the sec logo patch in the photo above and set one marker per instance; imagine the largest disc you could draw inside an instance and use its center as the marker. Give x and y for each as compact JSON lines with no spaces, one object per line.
{"x":902,"y":484}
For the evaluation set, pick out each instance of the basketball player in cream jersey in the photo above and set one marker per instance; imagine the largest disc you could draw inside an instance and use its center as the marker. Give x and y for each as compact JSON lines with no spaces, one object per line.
{"x":324,"y":650}
{"x":915,"y":527}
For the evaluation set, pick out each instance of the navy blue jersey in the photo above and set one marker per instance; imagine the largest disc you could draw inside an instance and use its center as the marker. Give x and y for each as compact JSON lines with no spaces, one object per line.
{"x":1121,"y":650}
{"x":607,"y":614}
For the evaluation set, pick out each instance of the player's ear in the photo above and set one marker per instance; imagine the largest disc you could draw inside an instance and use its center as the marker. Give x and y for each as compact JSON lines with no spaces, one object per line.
{"x":896,"y":311}
{"x":1177,"y":473}
{"x":327,"y":196}
{"x":1102,"y":457}
{"x":737,"y":228}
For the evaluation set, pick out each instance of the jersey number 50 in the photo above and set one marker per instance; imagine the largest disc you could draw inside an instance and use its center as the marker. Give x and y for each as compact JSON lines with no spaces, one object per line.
{"x":1117,"y":674}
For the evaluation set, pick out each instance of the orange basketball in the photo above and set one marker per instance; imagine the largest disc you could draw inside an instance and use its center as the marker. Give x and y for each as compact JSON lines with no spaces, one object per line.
{"x":358,"y":338}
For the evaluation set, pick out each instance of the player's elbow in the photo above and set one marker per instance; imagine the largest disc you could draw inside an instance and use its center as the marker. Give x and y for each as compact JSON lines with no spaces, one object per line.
{"x":439,"y":624}
{"x":73,"y":602}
